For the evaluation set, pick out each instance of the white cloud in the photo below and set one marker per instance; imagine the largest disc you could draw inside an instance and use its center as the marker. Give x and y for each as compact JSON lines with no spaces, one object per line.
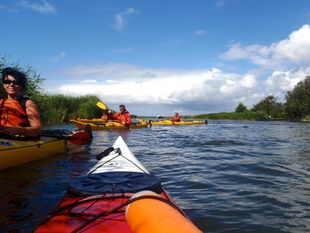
{"x":43,"y":7}
{"x":121,"y":19}
{"x":190,"y":90}
{"x":280,"y":66}
{"x":89,"y":81}
{"x":284,"y":63}
{"x":279,"y":82}
{"x":249,"y":81}
{"x":139,"y":85}
{"x":294,"y":50}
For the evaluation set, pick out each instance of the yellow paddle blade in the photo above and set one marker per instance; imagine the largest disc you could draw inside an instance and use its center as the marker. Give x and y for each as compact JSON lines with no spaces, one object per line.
{"x":101,"y":105}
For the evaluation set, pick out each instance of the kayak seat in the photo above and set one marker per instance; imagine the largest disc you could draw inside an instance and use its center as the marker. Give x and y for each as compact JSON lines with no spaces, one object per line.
{"x":114,"y":182}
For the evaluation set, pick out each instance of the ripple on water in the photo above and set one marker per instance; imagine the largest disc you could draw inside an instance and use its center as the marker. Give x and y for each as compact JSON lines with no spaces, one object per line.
{"x":229,"y":176}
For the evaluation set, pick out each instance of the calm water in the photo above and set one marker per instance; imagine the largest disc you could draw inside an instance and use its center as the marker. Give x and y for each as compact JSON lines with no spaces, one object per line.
{"x":229,"y":176}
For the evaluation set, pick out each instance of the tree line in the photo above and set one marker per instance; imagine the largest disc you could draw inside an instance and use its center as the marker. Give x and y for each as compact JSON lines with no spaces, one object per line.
{"x":296,"y":106}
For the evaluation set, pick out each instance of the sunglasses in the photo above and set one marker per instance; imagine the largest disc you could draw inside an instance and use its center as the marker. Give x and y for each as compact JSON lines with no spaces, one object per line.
{"x":7,"y":81}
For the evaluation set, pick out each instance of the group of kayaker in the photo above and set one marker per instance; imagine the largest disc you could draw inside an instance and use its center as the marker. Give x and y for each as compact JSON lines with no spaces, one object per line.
{"x":20,"y":116}
{"x":123,"y":116}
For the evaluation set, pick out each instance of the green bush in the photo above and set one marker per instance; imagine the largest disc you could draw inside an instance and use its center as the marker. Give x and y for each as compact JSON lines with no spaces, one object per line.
{"x":60,"y":108}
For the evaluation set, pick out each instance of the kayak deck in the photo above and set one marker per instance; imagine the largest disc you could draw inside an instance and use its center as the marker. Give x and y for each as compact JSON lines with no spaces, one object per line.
{"x":169,"y":122}
{"x":101,"y":213}
{"x":97,"y":201}
{"x":110,"y":125}
{"x":93,"y":120}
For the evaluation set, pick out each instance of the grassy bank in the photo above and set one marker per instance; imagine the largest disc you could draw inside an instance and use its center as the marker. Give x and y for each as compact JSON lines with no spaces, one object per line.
{"x":222,"y":116}
{"x":57,"y":109}
{"x":307,"y":118}
{"x":229,"y":116}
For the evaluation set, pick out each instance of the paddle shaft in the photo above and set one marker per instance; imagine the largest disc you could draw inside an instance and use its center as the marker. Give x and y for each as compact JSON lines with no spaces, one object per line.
{"x":79,"y":137}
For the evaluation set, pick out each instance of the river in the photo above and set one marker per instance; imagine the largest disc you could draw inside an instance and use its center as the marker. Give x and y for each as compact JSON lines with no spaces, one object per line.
{"x":228,"y":176}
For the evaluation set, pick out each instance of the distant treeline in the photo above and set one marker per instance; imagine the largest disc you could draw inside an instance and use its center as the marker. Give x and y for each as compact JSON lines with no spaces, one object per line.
{"x":229,"y":116}
{"x":59,"y":108}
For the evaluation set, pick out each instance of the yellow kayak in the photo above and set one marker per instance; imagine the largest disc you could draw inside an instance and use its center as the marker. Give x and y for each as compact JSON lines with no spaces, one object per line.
{"x":93,"y":120}
{"x":110,"y":125}
{"x":15,"y":152}
{"x":169,"y":122}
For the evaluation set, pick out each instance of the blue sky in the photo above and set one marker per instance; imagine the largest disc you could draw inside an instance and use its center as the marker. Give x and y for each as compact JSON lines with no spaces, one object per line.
{"x":156,"y":57}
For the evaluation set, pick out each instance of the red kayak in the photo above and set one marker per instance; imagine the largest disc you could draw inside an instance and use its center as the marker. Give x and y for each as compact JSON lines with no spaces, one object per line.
{"x":118,"y":195}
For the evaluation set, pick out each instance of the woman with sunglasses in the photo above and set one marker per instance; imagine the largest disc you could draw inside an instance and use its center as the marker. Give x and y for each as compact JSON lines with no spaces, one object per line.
{"x":18,"y":114}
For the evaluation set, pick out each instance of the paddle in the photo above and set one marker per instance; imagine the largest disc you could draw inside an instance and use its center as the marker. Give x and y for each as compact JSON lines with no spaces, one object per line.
{"x":101,"y":105}
{"x":78,"y":137}
{"x":81,"y":137}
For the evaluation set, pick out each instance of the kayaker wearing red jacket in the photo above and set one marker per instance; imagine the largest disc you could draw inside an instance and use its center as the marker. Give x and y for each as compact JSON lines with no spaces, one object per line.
{"x":123,"y":116}
{"x":18,"y":115}
{"x":177,"y":117}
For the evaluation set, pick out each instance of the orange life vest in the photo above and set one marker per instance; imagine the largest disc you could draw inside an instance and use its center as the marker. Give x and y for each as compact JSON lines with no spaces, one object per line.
{"x":123,"y":118}
{"x":13,"y":113}
{"x":176,"y":118}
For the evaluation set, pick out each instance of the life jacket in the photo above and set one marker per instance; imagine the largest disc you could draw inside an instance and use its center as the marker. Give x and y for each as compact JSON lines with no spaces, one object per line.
{"x":13,"y":112}
{"x":176,"y":118}
{"x":104,"y":117}
{"x":124,"y":118}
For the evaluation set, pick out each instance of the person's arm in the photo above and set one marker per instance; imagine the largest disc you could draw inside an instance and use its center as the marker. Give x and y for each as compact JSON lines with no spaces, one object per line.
{"x":110,"y":115}
{"x":128,"y":119}
{"x":34,"y":121}
{"x":115,"y":116}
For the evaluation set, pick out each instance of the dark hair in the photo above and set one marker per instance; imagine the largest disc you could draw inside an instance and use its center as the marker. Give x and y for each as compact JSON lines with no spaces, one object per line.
{"x":122,"y":105}
{"x":18,"y":75}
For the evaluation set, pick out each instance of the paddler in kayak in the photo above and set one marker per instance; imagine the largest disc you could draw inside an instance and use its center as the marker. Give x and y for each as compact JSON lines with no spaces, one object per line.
{"x":176,"y":117}
{"x":18,"y":114}
{"x":123,"y":116}
{"x":107,"y":115}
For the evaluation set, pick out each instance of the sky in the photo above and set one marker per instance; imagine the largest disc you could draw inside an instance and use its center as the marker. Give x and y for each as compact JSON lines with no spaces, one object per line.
{"x":161,"y":56}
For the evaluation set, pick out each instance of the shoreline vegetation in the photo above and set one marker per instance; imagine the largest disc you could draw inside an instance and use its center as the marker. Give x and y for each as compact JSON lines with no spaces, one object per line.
{"x":57,"y":109}
{"x":251,"y":116}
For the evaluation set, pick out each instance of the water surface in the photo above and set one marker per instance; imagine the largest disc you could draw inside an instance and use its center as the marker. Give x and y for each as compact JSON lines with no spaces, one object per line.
{"x":229,"y":176}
